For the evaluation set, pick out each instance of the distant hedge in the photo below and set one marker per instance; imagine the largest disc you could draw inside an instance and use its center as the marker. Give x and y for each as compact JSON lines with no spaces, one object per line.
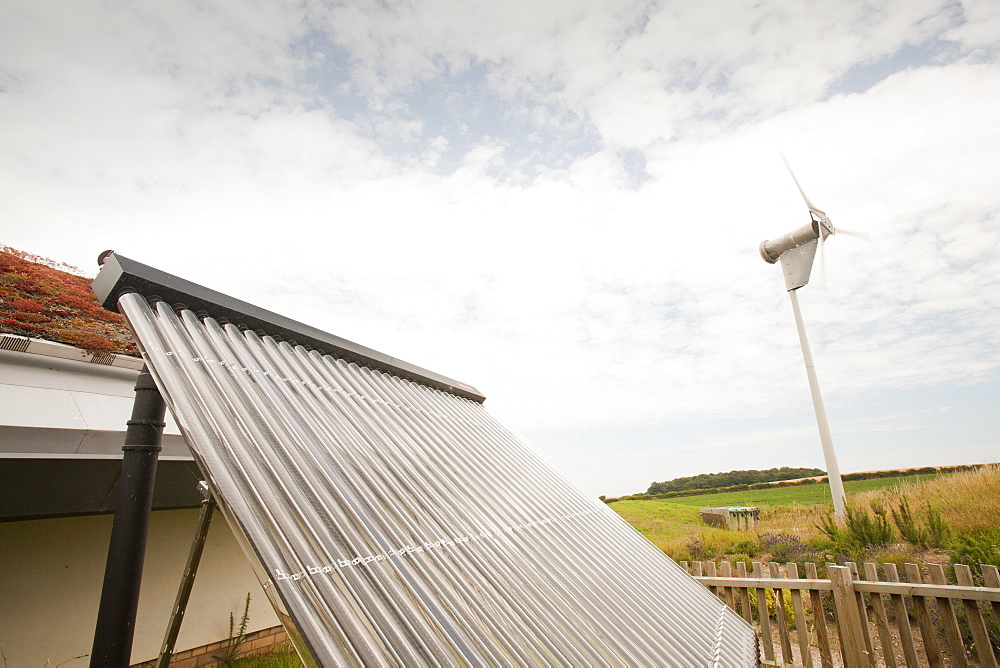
{"x":732,"y":478}
{"x":899,"y":473}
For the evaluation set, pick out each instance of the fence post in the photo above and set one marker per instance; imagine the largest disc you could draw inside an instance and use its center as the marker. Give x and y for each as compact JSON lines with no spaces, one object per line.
{"x":779,"y":611}
{"x":946,"y":611}
{"x":881,"y":618}
{"x":801,"y":626}
{"x":846,"y":606}
{"x":744,"y":593}
{"x":927,"y":632}
{"x":902,"y":619}
{"x":991,"y":577}
{"x":819,"y":617}
{"x":862,"y":612}
{"x":984,"y":650}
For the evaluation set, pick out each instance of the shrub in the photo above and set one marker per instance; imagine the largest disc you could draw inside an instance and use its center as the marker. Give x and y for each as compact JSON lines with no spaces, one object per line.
{"x":865,"y":530}
{"x":750,"y":548}
{"x":899,"y":554}
{"x":938,"y":532}
{"x":832,"y":529}
{"x":696,"y":548}
{"x":976,"y":547}
{"x":785,"y":547}
{"x":907,"y":523}
{"x":737,"y":557}
{"x":934,"y":533}
{"x":860,"y":529}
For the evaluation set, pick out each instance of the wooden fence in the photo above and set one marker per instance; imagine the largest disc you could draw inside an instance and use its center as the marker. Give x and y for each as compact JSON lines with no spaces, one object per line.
{"x":925,"y":620}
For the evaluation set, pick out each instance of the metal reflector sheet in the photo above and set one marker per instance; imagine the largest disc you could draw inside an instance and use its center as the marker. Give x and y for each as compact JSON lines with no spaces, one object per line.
{"x":393,"y":524}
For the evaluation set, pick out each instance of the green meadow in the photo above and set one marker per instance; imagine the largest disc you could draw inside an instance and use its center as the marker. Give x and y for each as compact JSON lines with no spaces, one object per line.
{"x":920,"y":518}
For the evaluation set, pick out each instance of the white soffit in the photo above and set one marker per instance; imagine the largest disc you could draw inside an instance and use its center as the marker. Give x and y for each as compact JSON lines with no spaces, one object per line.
{"x":62,"y":404}
{"x":396,"y":524}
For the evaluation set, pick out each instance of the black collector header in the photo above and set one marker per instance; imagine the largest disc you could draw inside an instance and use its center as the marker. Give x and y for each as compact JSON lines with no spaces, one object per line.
{"x":120,"y":275}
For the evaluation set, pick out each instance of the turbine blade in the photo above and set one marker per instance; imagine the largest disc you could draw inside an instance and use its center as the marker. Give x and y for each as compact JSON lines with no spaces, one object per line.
{"x":812,"y":207}
{"x":856,"y":235}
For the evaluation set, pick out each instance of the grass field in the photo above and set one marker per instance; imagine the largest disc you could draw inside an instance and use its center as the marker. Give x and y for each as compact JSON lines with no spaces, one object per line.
{"x":783,"y":496}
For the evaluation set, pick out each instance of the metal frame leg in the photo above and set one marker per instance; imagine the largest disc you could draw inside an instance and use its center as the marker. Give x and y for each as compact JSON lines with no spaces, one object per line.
{"x":187,"y":580}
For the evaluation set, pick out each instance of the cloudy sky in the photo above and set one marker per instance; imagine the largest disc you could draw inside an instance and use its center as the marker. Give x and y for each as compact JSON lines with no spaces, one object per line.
{"x":558,"y":202}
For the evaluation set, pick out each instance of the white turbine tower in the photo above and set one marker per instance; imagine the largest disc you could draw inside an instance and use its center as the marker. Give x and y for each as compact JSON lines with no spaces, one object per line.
{"x":796,"y":252}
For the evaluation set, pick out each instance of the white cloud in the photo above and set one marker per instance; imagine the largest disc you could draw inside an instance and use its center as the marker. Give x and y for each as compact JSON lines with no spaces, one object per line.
{"x":981,"y":25}
{"x":518,"y":254}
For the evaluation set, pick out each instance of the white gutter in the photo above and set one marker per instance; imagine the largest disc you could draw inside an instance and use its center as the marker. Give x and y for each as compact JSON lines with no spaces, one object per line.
{"x":23,"y":344}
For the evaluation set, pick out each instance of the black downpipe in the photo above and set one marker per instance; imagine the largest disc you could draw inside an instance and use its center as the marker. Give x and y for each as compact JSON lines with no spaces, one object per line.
{"x":123,"y":573}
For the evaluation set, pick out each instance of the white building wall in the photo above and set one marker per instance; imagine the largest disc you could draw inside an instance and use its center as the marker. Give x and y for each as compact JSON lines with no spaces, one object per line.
{"x":51,"y":572}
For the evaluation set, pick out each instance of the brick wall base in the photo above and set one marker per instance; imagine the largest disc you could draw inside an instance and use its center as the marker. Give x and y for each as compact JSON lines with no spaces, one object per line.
{"x":257,"y":642}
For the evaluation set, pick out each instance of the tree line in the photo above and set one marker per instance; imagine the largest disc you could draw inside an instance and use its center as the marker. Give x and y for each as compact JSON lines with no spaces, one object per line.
{"x":730,"y":478}
{"x":742,"y":487}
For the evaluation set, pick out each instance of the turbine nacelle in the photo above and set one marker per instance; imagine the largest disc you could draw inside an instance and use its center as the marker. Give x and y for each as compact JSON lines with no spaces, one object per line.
{"x":772,"y":250}
{"x":797,"y":249}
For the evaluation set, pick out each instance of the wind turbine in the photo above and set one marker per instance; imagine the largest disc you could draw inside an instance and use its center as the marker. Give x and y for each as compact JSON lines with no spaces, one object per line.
{"x":796,"y":252}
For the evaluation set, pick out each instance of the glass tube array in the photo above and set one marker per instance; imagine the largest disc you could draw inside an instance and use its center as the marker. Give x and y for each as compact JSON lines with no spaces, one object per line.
{"x":393,"y":524}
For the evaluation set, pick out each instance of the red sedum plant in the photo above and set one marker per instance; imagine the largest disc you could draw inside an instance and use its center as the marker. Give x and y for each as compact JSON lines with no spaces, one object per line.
{"x":46,"y":300}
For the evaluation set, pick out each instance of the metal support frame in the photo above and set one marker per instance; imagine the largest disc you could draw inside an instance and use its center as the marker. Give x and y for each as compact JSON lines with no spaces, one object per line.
{"x":115,"y":628}
{"x":187,"y":580}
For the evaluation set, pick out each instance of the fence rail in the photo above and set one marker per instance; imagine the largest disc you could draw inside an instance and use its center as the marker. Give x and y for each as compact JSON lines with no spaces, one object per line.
{"x":848,"y":620}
